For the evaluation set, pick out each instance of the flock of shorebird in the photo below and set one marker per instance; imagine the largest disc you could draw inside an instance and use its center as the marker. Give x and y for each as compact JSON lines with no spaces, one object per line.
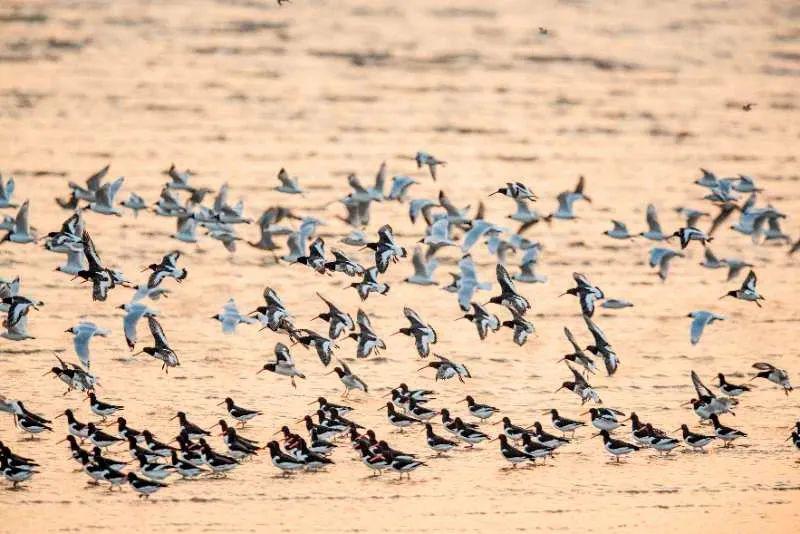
{"x":190,"y":454}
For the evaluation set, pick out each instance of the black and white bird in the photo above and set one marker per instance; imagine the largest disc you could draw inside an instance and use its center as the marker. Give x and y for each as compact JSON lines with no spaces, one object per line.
{"x":580,"y":387}
{"x":602,"y":347}
{"x":564,"y":424}
{"x":321,"y":344}
{"x":747,"y":292}
{"x":694,"y":440}
{"x":447,"y":369}
{"x":690,"y":233}
{"x":366,"y":337}
{"x":731,"y":390}
{"x":586,"y":292}
{"x":349,"y":379}
{"x":516,"y":190}
{"x":144,"y":487}
{"x":161,"y":349}
{"x":386,"y":249}
{"x":726,"y":434}
{"x":604,"y":418}
{"x":370,"y":284}
{"x":521,"y":327}
{"x":284,"y":364}
{"x":512,"y":454}
{"x":578,"y":356}
{"x":479,"y":410}
{"x":616,"y":447}
{"x":774,"y":375}
{"x":438,"y":443}
{"x":509,"y":297}
{"x":103,"y":409}
{"x":397,"y":419}
{"x":239,"y":413}
{"x":483,"y":320}
{"x":287,"y":464}
{"x":423,"y":333}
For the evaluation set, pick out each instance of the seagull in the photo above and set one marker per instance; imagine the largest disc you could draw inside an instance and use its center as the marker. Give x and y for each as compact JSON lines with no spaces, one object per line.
{"x":438,"y":235}
{"x":661,"y":257}
{"x":288,"y":185}
{"x":653,"y":232}
{"x":423,"y":158}
{"x":93,"y":184}
{"x":700,"y":319}
{"x":447,"y":369}
{"x":424,"y":335}
{"x":338,"y":320}
{"x":186,"y":230}
{"x":268,"y":227}
{"x":774,"y":375}
{"x":350,"y":380}
{"x":21,"y":232}
{"x":516,"y":191}
{"x":7,"y":192}
{"x":284,"y":364}
{"x":530,"y":259}
{"x":586,"y":292}
{"x":82,"y":333}
{"x":692,"y":216}
{"x":103,"y":202}
{"x":297,"y":240}
{"x":135,"y":203}
{"x":567,"y":198}
{"x":161,"y":350}
{"x":482,"y":319}
{"x":423,"y":270}
{"x":399,"y":189}
{"x":580,"y":387}
{"x":468,"y":282}
{"x":747,"y":292}
{"x":230,"y":317}
{"x":620,"y":231}
{"x":616,"y":304}
{"x":478,"y":229}
{"x":710,"y":261}
{"x":689,"y":233}
{"x":76,"y":259}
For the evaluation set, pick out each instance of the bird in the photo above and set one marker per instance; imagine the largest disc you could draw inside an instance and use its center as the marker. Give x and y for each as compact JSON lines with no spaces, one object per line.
{"x":82,"y":335}
{"x":239,"y":413}
{"x":616,"y":304}
{"x":586,"y":292}
{"x":481,"y":411}
{"x":397,"y":419}
{"x":509,"y":297}
{"x":338,"y":320}
{"x":578,"y":356}
{"x":288,"y":184}
{"x":511,"y":453}
{"x":602,"y":347}
{"x":616,"y":447}
{"x":747,"y":291}
{"x":774,"y":375}
{"x":103,"y":202}
{"x":144,"y":487}
{"x":661,"y":257}
{"x":468,"y":282}
{"x":400,"y":186}
{"x":654,"y":232}
{"x":447,"y":369}
{"x":310,"y":339}
{"x":349,"y":379}
{"x":694,"y":440}
{"x":564,"y":424}
{"x":700,"y":319}
{"x":283,"y":365}
{"x":726,"y":434}
{"x":7,"y":192}
{"x":688,"y":234}
{"x":522,"y":327}
{"x":619,"y":231}
{"x":731,"y":390}
{"x":516,"y":191}
{"x":423,"y":269}
{"x":21,"y":232}
{"x":580,"y":387}
{"x":438,"y":443}
{"x":423,"y":333}
{"x":370,"y":284}
{"x":230,"y":317}
{"x":748,"y":106}
{"x":103,"y":409}
{"x":483,"y":320}
{"x":368,"y":340}
{"x":161,"y":349}
{"x":604,"y":418}
{"x":135,"y":203}
{"x":566,"y":199}
{"x":423,"y":158}
{"x":710,"y":260}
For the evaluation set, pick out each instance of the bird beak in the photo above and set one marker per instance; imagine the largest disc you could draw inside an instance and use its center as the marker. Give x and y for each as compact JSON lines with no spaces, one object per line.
{"x":62,"y":441}
{"x":220,"y":403}
{"x":329,"y":373}
{"x":676,"y":429}
{"x":259,"y":371}
{"x":561,"y":360}
{"x":625,"y":420}
{"x":559,"y":389}
{"x":463,"y":400}
{"x":421,"y":368}
{"x":687,"y":403}
{"x":595,"y":435}
{"x":173,"y":417}
{"x":310,"y":403}
{"x":585,"y":413}
{"x":381,"y":408}
{"x":56,"y":417}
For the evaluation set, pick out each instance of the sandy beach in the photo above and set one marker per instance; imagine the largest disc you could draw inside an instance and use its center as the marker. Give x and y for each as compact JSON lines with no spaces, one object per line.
{"x":636,"y":96}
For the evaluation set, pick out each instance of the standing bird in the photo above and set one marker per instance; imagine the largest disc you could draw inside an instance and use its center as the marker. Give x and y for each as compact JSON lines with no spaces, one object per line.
{"x":239,"y":413}
{"x":700,"y":319}
{"x":694,"y":440}
{"x":774,"y":375}
{"x":284,"y":364}
{"x":725,"y":433}
{"x":616,"y":447}
{"x":481,"y":411}
{"x":747,"y":292}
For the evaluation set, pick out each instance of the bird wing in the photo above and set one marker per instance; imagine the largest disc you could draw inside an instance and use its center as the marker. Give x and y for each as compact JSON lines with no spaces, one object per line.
{"x":699,"y":387}
{"x":413,"y":317}
{"x":599,"y":337}
{"x":652,"y":219}
{"x":503,"y":278}
{"x":283,"y":355}
{"x":571,"y":339}
{"x":95,"y":264}
{"x":93,"y":182}
{"x":579,"y":380}
{"x":157,"y":331}
{"x":750,"y":282}
{"x":699,"y":322}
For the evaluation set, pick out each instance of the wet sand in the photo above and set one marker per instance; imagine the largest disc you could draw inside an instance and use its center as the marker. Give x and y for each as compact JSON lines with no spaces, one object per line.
{"x":635,"y":97}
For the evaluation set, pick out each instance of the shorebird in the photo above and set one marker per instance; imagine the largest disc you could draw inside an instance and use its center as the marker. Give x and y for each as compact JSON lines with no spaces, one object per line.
{"x":447,"y":369}
{"x":707,"y":403}
{"x":508,"y":297}
{"x":616,"y":447}
{"x":604,"y":418}
{"x":564,"y":424}
{"x":399,"y":420}
{"x":577,"y":355}
{"x":423,"y":158}
{"x":700,"y":319}
{"x":321,"y":344}
{"x":133,"y":312}
{"x":161,"y":350}
{"x":653,"y":232}
{"x":103,"y":409}
{"x":466,"y":432}
{"x":483,"y":320}
{"x":316,"y":256}
{"x":230,"y":317}
{"x":602,"y":347}
{"x":237,"y":412}
{"x":511,"y":453}
{"x":423,"y":269}
{"x":619,"y":231}
{"x":689,"y":233}
{"x":386,"y":249}
{"x":370,"y":284}
{"x":423,"y":333}
{"x":338,"y":321}
{"x":103,"y":279}
{"x":731,"y":390}
{"x":21,"y":232}
{"x":481,"y":411}
{"x":284,"y":364}
{"x":99,"y":438}
{"x":74,"y":427}
{"x":82,"y":333}
{"x":144,"y":487}
{"x":580,"y":387}
{"x":694,"y":440}
{"x":350,"y":380}
{"x":586,"y":292}
{"x":7,"y":192}
{"x":16,"y":321}
{"x":522,"y":327}
{"x":344,"y":264}
{"x":774,"y":375}
{"x":438,"y":443}
{"x":166,"y":268}
{"x":516,"y":191}
{"x":661,"y":257}
{"x":15,"y":473}
{"x":368,"y":340}
{"x":726,"y":434}
{"x":747,"y":291}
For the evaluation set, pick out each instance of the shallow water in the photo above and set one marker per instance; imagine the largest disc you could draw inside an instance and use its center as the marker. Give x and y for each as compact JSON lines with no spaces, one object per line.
{"x":635,"y":97}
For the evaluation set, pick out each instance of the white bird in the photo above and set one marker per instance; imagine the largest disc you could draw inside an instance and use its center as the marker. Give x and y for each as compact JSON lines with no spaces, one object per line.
{"x":439,"y":234}
{"x":21,"y":233}
{"x":76,"y":259}
{"x":103,"y":202}
{"x":288,"y":185}
{"x":230,"y":317}
{"x":423,"y":158}
{"x":186,"y":228}
{"x":135,"y":203}
{"x":82,"y":333}
{"x":619,"y":231}
{"x":530,"y":259}
{"x":6,"y":192}
{"x":700,"y":319}
{"x":423,"y":270}
{"x":468,"y":282}
{"x":478,"y":229}
{"x":661,"y":257}
{"x":400,"y":185}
